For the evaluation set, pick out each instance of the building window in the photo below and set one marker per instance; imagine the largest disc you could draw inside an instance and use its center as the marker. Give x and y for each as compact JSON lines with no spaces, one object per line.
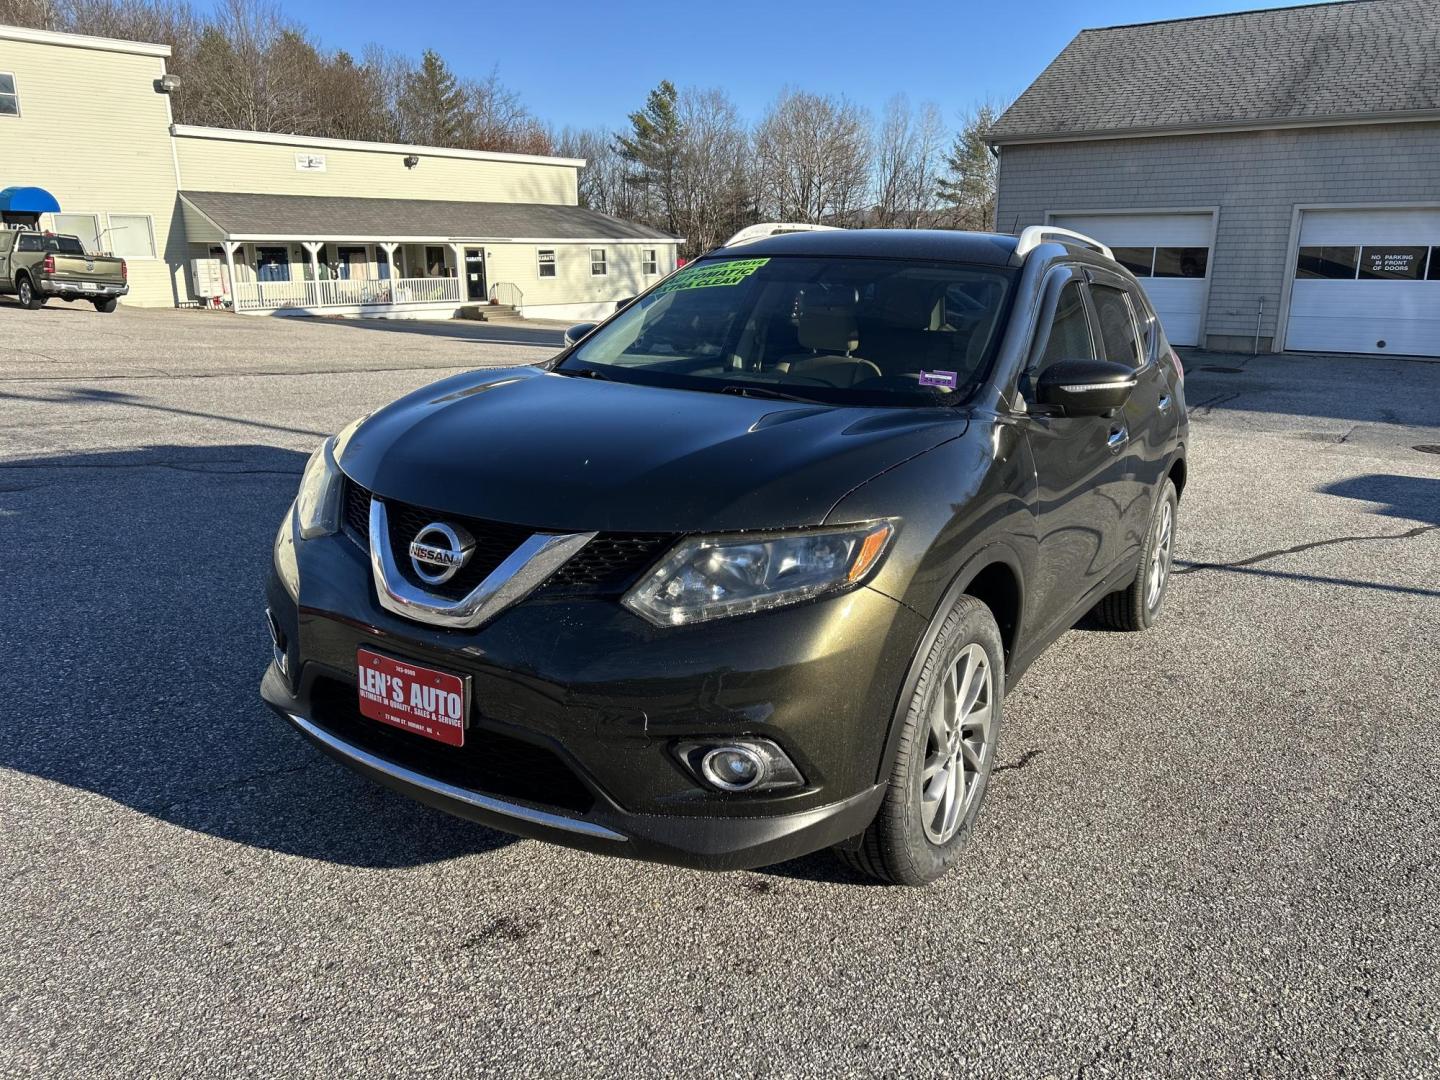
{"x":435,"y":262}
{"x":597,"y":262}
{"x":1139,"y":261}
{"x":1334,"y":263}
{"x":132,"y":236}
{"x":1396,"y":263}
{"x":547,"y":262}
{"x":648,"y":263}
{"x":9,"y":97}
{"x":86,"y":227}
{"x":1182,"y":262}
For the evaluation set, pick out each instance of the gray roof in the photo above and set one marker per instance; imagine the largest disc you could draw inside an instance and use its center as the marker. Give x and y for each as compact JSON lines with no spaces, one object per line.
{"x":327,"y":217}
{"x":1356,"y":59}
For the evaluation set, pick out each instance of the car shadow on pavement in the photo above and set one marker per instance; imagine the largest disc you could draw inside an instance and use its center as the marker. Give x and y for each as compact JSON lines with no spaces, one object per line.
{"x":1409,"y":498}
{"x":133,"y":647}
{"x":498,"y":333}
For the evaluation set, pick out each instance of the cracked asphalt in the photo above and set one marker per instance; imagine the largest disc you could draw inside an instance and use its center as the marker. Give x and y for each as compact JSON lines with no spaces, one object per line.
{"x":1210,"y":850}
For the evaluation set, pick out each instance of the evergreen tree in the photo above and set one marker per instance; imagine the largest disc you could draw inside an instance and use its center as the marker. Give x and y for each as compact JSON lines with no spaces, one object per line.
{"x":968,"y":188}
{"x":432,"y":106}
{"x":653,"y":151}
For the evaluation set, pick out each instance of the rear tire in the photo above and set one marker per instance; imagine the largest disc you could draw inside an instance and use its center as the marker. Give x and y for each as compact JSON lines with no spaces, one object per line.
{"x":947,"y":751}
{"x":105,"y":306}
{"x":28,"y":295}
{"x":1138,"y":606}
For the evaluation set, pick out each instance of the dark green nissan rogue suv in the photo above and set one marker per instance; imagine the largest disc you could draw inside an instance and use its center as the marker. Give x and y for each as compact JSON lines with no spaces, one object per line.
{"x":747,"y":570}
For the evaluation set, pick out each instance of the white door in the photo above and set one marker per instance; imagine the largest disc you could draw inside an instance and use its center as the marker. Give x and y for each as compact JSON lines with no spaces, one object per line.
{"x":1169,"y":253}
{"x":1366,"y":281}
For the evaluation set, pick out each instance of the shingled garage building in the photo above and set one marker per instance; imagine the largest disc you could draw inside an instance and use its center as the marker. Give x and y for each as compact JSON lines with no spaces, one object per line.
{"x":1272,"y":177}
{"x":278,"y":223}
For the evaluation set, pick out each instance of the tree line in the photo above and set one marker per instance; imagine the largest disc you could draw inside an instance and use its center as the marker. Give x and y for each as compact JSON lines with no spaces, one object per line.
{"x":685,"y":162}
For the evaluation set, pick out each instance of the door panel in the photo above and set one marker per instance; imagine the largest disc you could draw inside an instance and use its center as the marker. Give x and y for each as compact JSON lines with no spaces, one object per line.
{"x":1079,"y":473}
{"x":475,"y":273}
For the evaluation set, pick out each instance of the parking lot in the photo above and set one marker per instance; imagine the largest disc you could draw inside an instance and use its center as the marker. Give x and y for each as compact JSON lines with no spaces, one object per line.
{"x":1213,"y":849}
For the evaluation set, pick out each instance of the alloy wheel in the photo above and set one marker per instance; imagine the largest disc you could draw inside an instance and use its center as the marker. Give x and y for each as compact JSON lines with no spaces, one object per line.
{"x":958,"y":744}
{"x":1159,"y":568}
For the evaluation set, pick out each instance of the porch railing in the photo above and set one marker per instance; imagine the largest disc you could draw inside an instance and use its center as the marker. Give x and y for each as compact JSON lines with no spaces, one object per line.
{"x":343,"y":292}
{"x":507,"y":292}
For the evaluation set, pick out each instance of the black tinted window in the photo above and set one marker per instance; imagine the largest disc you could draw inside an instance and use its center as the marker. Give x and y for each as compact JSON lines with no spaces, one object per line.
{"x":1135,"y":259}
{"x":1117,"y":326}
{"x":1434,"y":274}
{"x":1337,"y":263}
{"x":29,"y":243}
{"x":64,"y":245}
{"x":1181,"y":262}
{"x":1069,"y":337}
{"x":1392,"y":263}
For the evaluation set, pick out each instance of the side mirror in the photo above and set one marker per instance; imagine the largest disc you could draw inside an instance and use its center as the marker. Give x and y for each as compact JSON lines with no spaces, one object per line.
{"x":579,"y":330}
{"x":1084,"y":387}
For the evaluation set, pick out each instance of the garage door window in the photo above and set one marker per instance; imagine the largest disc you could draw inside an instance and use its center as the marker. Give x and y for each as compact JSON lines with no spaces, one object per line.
{"x":1189,"y":262}
{"x":1139,"y":261}
{"x":1334,"y":263}
{"x":1392,"y":263}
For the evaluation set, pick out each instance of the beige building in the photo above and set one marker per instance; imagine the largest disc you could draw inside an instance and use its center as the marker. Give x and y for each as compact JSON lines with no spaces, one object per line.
{"x":263,"y":222}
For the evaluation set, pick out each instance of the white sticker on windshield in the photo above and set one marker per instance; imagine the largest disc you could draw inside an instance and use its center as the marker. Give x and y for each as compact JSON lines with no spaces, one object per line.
{"x":946,"y":379}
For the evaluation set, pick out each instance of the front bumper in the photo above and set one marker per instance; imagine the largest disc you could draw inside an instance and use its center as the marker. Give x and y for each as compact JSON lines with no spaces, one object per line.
{"x":75,"y":290}
{"x":577,"y":706}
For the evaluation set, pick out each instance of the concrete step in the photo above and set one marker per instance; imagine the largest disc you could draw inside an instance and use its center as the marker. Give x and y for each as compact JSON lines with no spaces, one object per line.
{"x":489,"y":312}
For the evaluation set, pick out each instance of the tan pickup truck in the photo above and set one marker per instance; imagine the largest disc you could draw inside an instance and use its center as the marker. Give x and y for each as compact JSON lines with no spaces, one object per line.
{"x":35,"y":266}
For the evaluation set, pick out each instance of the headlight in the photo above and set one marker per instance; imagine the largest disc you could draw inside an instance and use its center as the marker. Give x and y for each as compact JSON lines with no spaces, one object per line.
{"x":317,"y":506}
{"x":711,"y":577}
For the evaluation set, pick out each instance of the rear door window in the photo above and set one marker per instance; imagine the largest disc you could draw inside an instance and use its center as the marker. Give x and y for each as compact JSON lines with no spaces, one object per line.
{"x":1119,"y":341}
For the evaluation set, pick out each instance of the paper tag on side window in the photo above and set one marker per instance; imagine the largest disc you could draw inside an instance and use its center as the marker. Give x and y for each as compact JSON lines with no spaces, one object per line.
{"x":946,"y":379}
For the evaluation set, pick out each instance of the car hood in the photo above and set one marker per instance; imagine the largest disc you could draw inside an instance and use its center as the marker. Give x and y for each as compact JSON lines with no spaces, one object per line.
{"x":573,"y":454}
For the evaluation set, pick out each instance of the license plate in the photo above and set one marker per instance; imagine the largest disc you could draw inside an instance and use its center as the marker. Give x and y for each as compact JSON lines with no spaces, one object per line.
{"x":417,"y":699}
{"x":90,"y":286}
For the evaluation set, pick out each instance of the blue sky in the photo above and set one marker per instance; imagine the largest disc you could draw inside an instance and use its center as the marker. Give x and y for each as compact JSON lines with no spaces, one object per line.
{"x":589,"y":64}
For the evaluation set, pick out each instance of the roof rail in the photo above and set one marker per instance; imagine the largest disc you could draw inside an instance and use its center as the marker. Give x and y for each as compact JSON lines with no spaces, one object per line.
{"x":1035,"y":235}
{"x":751,"y":233}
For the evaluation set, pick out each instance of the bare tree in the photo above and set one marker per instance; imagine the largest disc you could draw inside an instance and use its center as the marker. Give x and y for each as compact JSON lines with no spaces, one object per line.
{"x":812,"y":157}
{"x":603,"y":181}
{"x":712,"y":186}
{"x":498,"y":120}
{"x":967,"y":189}
{"x":36,"y":14}
{"x":906,"y":157}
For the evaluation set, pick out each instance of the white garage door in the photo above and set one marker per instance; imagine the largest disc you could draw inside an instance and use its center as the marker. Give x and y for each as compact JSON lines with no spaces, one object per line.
{"x":1367,"y":281}
{"x":1169,"y":253}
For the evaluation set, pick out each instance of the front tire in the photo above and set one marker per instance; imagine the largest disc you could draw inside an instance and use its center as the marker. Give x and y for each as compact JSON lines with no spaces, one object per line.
{"x":946,"y":754}
{"x":27,"y":294}
{"x":105,"y":306}
{"x":1138,"y":606}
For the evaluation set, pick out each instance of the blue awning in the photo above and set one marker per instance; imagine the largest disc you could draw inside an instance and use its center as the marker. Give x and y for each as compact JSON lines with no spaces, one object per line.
{"x":28,"y":200}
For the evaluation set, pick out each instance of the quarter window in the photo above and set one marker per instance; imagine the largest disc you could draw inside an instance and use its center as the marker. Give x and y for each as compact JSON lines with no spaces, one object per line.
{"x":1434,"y":274}
{"x":648,"y":263}
{"x":9,"y":96}
{"x":1334,"y":263}
{"x":597,"y":262}
{"x":547,"y":262}
{"x":131,"y":236}
{"x":1118,"y":339}
{"x":85,"y":227}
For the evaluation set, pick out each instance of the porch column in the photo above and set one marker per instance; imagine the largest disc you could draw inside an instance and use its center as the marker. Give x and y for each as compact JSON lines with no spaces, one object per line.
{"x":389,"y":250}
{"x":460,"y":282}
{"x":231,"y":247}
{"x":312,"y":248}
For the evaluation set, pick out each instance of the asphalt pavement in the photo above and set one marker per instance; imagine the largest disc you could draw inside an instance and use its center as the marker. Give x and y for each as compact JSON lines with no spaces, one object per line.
{"x":1212,"y":849}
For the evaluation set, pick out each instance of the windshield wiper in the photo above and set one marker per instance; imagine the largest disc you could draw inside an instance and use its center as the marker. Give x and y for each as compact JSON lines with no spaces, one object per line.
{"x":584,"y":373}
{"x":752,"y":390}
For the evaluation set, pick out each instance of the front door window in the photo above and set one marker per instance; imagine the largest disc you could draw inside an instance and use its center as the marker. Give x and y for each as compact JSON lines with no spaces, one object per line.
{"x":272,"y":264}
{"x":475,"y":273}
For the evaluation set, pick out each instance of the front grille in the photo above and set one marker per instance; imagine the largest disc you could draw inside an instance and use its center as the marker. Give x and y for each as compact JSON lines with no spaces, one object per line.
{"x":609,"y":563}
{"x":489,"y":762}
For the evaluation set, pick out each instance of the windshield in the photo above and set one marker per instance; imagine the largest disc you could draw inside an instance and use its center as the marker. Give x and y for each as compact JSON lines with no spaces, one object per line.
{"x":847,"y":331}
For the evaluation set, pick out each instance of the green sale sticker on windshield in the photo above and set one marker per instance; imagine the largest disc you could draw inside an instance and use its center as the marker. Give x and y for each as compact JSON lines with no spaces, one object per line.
{"x":710,"y":275}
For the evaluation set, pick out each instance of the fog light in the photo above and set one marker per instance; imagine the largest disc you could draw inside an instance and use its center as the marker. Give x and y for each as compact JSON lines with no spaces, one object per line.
{"x":744,"y":764}
{"x":733,"y":768}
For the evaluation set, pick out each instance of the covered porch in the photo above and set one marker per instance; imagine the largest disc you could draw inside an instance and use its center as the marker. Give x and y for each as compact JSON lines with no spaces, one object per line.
{"x":319,"y":276}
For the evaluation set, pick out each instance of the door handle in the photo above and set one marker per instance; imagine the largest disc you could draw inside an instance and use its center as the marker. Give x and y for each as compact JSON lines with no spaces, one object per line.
{"x":1164,"y":402}
{"x":1117,"y":440}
